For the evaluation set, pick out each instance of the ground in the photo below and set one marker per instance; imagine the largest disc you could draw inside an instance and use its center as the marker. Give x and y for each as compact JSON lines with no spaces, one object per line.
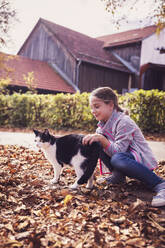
{"x":33,"y":213}
{"x":148,"y":136}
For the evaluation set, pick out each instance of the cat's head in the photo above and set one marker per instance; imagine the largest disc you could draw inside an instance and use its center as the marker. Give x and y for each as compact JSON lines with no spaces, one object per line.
{"x":42,"y":139}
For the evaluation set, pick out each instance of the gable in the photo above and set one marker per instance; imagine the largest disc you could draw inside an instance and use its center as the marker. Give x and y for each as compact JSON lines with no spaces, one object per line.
{"x":127,"y":37}
{"x":80,"y":46}
{"x":152,"y":49}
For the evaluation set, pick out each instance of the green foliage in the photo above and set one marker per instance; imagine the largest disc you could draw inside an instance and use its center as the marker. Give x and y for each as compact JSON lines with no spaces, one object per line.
{"x":52,"y":111}
{"x":147,"y":109}
{"x":30,"y":82}
{"x":4,"y":82}
{"x":72,"y":111}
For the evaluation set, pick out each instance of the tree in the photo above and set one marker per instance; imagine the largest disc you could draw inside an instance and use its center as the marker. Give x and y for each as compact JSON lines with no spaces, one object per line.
{"x":7,"y":15}
{"x":30,"y":82}
{"x":156,"y":13}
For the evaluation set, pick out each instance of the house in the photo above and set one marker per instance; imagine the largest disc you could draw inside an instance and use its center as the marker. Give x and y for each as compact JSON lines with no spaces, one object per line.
{"x":64,"y":60}
{"x":79,"y":59}
{"x":142,"y":51}
{"x":22,"y":70}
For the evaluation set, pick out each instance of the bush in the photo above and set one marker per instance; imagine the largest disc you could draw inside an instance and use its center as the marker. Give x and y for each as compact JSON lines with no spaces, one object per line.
{"x":147,"y":109}
{"x":67,"y":111}
{"x":61,"y":111}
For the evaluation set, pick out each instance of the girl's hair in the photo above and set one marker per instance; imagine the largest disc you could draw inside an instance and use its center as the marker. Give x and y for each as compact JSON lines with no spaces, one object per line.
{"x":106,"y":94}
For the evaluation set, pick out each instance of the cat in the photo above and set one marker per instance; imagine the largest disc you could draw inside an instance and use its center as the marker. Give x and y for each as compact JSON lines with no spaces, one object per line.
{"x":68,"y":149}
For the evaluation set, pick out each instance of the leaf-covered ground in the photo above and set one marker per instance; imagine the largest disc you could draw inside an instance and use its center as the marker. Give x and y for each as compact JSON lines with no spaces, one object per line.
{"x":35,"y":214}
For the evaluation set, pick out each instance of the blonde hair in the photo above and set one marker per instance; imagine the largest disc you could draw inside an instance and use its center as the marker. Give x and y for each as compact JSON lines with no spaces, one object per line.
{"x":106,"y":94}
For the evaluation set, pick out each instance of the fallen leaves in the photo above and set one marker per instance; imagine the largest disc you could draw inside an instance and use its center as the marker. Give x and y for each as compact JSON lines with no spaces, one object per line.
{"x":35,"y":214}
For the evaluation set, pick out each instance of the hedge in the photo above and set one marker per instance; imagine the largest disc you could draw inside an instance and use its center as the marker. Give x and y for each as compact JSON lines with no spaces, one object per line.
{"x":147,"y":109}
{"x":72,"y":111}
{"x":61,"y":111}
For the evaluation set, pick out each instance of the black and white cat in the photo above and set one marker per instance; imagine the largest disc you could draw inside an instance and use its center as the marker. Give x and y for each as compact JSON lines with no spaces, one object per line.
{"x":68,"y":149}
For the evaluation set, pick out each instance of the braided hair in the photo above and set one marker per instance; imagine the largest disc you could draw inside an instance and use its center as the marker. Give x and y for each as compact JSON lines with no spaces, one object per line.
{"x":106,"y":94}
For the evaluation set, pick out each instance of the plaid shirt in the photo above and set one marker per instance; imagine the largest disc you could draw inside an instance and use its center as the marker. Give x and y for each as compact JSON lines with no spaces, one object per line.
{"x":125,"y":136}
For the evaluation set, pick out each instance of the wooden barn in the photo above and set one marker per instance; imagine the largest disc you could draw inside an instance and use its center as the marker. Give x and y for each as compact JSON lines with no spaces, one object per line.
{"x":63,"y":60}
{"x":142,"y":51}
{"x":80,"y":60}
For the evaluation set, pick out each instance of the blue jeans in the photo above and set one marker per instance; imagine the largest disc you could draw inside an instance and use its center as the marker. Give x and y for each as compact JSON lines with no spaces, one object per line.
{"x":125,"y":163}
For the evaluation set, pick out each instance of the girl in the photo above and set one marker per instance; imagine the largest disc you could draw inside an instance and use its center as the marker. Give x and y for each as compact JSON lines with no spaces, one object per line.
{"x":125,"y":144}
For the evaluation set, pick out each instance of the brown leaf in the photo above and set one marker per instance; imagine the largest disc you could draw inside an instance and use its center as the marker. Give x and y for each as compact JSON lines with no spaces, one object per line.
{"x":117,"y":219}
{"x":136,"y":242}
{"x":156,"y":224}
{"x":135,"y":206}
{"x":9,"y":226}
{"x":23,"y":225}
{"x":12,"y":244}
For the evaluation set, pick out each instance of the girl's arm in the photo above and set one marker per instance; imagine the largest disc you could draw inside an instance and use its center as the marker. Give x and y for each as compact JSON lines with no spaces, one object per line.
{"x":90,"y":138}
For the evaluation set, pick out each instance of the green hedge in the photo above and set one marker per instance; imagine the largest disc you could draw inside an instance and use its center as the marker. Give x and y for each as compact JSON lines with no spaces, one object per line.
{"x":147,"y":109}
{"x":61,"y":111}
{"x":66,"y":111}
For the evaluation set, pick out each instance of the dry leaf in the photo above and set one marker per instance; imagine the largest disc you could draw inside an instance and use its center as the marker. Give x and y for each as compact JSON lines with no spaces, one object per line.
{"x":12,"y":244}
{"x":38,"y":215}
{"x":136,"y":242}
{"x":67,"y":199}
{"x":117,"y":219}
{"x":23,"y":225}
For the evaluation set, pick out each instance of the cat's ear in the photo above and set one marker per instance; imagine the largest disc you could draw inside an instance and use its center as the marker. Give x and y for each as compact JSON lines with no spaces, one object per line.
{"x":36,"y":132}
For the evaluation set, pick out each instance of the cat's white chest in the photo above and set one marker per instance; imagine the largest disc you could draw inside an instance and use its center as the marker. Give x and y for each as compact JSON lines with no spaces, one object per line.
{"x":50,"y":153}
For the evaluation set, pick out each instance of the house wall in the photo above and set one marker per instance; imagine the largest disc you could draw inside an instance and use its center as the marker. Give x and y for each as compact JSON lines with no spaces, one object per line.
{"x":45,"y":47}
{"x":154,"y":78}
{"x":149,"y":52}
{"x":130,"y":52}
{"x":93,"y":76}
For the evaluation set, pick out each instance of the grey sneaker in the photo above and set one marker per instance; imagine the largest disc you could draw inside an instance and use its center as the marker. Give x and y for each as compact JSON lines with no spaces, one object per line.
{"x":159,"y":199}
{"x":116,"y":178}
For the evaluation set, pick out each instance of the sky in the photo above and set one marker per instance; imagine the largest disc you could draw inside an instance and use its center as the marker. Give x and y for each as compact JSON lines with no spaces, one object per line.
{"x":88,"y":17}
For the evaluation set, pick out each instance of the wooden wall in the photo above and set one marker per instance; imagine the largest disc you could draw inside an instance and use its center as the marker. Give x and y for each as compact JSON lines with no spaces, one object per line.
{"x":45,"y":47}
{"x":154,"y":78}
{"x":93,"y":76}
{"x":126,"y":51}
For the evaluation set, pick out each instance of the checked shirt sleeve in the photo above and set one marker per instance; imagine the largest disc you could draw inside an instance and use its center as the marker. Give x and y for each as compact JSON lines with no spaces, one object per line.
{"x":123,"y":136}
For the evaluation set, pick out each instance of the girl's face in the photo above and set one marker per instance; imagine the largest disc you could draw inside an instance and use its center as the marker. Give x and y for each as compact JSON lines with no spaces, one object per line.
{"x":102,"y":111}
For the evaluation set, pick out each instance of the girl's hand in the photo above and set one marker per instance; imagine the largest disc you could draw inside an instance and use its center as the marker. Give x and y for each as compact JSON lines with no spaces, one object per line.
{"x":90,"y":138}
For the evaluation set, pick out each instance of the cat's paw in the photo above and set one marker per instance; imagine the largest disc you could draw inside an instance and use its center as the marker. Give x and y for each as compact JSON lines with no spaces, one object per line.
{"x":74,"y":186}
{"x":53,"y":181}
{"x":89,"y":186}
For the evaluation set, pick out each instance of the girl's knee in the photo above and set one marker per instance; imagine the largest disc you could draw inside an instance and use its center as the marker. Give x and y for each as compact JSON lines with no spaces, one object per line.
{"x":117,"y":160}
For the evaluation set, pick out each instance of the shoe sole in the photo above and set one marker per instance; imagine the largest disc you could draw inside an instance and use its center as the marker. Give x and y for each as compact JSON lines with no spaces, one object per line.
{"x":159,"y":203}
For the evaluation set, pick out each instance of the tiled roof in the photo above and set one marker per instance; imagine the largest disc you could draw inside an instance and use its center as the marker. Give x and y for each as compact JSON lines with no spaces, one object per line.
{"x":81,"y":46}
{"x":127,"y":37}
{"x":44,"y":76}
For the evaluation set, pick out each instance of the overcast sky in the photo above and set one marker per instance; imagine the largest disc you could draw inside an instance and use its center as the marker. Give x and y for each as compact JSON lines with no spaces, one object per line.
{"x":85,"y":16}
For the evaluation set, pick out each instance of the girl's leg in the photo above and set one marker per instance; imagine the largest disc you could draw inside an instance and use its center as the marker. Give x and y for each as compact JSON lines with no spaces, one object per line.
{"x":126,"y":164}
{"x":116,"y":176}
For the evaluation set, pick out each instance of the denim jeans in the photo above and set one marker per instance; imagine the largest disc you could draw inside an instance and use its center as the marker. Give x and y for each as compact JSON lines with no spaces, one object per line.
{"x":125,"y":163}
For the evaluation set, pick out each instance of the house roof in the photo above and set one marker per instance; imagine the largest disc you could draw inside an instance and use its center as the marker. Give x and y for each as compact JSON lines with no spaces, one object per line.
{"x":15,"y":67}
{"x":127,"y":37}
{"x":81,"y":46}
